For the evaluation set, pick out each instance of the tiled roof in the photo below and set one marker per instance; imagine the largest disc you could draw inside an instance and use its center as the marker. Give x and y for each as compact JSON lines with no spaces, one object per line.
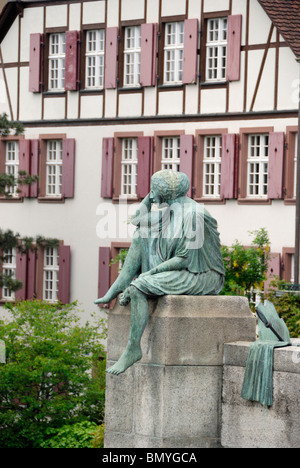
{"x":285,"y":15}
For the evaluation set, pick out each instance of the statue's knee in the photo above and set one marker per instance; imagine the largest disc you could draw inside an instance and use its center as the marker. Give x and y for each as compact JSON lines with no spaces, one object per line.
{"x":134,"y":292}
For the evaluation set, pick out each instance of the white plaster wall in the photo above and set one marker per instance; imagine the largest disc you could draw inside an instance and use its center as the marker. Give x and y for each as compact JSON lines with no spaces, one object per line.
{"x":12,"y":80}
{"x":215,"y":5}
{"x":54,"y":108}
{"x":152,"y":11}
{"x":175,"y":7}
{"x":259,"y":24}
{"x":265,"y":95}
{"x":9,"y":45}
{"x":56,"y":15}
{"x":254,"y":63}
{"x":213,"y":101}
{"x":194,"y":10}
{"x":110,"y":103}
{"x":130,"y":105}
{"x":91,"y":107}
{"x":170,"y":103}
{"x":4,"y":107}
{"x":112,"y":13}
{"x":191,"y":99}
{"x":72,"y":104}
{"x":74,"y":16}
{"x":94,"y":12}
{"x":149,"y":101}
{"x":30,"y":103}
{"x":32,"y":22}
{"x":288,"y":82}
{"x":239,"y":7}
{"x":132,"y":9}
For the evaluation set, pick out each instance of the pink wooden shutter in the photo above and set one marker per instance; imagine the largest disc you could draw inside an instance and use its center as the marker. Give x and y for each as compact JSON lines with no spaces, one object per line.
{"x":34,"y":166}
{"x":111,"y":57}
{"x":234,"y":47}
{"x":31,"y":272}
{"x":35,"y":62}
{"x":144,"y":165}
{"x":276,"y":160}
{"x":107,"y":167}
{"x":187,"y":158}
{"x":229,"y":166}
{"x":71,"y":60}
{"x":274,"y":269}
{"x":104,"y":271}
{"x":64,"y":274}
{"x":68,"y":168}
{"x":21,"y":274}
{"x":148,"y":54}
{"x":190,"y":51}
{"x":24,"y":164}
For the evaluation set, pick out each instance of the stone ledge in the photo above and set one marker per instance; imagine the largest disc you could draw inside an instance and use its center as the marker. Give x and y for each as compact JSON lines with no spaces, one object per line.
{"x":286,"y":359}
{"x":185,"y":330}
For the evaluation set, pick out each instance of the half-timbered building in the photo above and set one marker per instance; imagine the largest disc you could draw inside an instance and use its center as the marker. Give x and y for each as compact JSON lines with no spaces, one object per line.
{"x":110,"y":91}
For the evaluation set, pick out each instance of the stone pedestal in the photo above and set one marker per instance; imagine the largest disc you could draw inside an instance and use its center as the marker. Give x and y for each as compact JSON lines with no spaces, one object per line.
{"x":172,"y":397}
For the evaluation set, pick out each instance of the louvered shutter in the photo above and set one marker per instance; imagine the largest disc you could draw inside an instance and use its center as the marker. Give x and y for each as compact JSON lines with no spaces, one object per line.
{"x":21,"y":274}
{"x":104,"y":271}
{"x":234,"y":47}
{"x":72,"y":60}
{"x":68,"y":168}
{"x":107,"y":167}
{"x":111,"y":57}
{"x":35,"y":62}
{"x":24,"y":164}
{"x":187,"y":158}
{"x":34,"y":167}
{"x":148,"y":54}
{"x":189,"y":74}
{"x":144,"y":165}
{"x":229,"y":161}
{"x":64,"y":274}
{"x":276,"y":160}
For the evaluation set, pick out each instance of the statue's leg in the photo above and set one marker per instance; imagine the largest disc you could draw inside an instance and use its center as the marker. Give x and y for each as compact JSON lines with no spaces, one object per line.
{"x":139,"y":319}
{"x":130,"y":268}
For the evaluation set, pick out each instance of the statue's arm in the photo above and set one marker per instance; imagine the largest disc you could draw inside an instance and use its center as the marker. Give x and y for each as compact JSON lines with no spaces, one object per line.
{"x":175,"y":263}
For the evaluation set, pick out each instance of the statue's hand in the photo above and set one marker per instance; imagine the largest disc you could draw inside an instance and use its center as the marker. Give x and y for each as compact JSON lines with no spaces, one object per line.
{"x":125,"y":298}
{"x":102,"y":300}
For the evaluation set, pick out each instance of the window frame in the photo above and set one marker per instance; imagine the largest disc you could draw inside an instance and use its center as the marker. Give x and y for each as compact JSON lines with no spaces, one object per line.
{"x":61,"y":58}
{"x":9,"y":266}
{"x":178,"y":49}
{"x":98,"y":54}
{"x":42,"y":183}
{"x":54,"y":269}
{"x":135,"y":52}
{"x":198,"y":172}
{"x":287,"y":259}
{"x":243,"y":197}
{"x":158,"y":145}
{"x":218,"y":45}
{"x":261,"y":160}
{"x":117,"y":177}
{"x":3,"y":141}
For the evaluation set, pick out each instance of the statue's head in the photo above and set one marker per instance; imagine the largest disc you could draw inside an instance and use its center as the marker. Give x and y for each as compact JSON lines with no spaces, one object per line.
{"x":168,"y":185}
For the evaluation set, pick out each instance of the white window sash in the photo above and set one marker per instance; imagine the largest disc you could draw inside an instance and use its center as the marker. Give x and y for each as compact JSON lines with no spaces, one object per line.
{"x":94,"y":64}
{"x":132,"y":56}
{"x":170,"y":153}
{"x":212,"y":166}
{"x":9,"y":269}
{"x":257,"y":167}
{"x":56,"y":79}
{"x":54,"y":168}
{"x":216,"y":50}
{"x":129,"y":167}
{"x":50,"y":274}
{"x":295,"y":165}
{"x":173,"y":54}
{"x":12,"y":164}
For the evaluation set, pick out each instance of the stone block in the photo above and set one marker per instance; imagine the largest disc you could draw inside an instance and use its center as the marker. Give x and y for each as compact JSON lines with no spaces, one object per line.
{"x":172,"y":397}
{"x":247,"y":424}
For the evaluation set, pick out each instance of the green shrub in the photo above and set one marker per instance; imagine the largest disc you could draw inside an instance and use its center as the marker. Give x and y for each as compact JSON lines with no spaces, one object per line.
{"x":287,"y":306}
{"x":79,"y":435}
{"x":53,"y":376}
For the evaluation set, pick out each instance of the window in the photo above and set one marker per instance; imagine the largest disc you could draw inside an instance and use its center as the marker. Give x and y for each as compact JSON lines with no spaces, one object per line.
{"x":9,"y":270}
{"x":257,"y":164}
{"x":94,"y":72}
{"x":170,"y":153}
{"x":212,"y":166}
{"x":12,"y":163}
{"x":216,"y":49}
{"x":132,"y":56}
{"x":173,"y":52}
{"x":54,"y":168}
{"x":129,"y":167}
{"x":57,"y":49}
{"x":51,"y":269}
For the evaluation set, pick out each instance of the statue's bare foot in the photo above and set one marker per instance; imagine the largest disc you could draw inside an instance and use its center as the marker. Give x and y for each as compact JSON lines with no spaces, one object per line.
{"x":125,"y":297}
{"x":129,"y":357}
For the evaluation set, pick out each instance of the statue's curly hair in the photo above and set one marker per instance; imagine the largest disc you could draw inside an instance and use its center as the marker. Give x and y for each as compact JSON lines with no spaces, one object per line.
{"x":170,"y":184}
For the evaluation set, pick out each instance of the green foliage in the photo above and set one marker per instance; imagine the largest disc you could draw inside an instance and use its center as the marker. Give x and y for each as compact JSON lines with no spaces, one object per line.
{"x":98,"y":439}
{"x":246,"y":268}
{"x":287,"y":306}
{"x":9,"y":182}
{"x":78,"y":435}
{"x":53,"y":376}
{"x":7,"y":125}
{"x":120,"y":257}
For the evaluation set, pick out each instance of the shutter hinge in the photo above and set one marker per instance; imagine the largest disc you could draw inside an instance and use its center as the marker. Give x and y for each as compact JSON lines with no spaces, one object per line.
{"x":286,"y":145}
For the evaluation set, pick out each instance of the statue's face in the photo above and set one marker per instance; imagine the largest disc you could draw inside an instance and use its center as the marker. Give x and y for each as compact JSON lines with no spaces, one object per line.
{"x":155,"y":196}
